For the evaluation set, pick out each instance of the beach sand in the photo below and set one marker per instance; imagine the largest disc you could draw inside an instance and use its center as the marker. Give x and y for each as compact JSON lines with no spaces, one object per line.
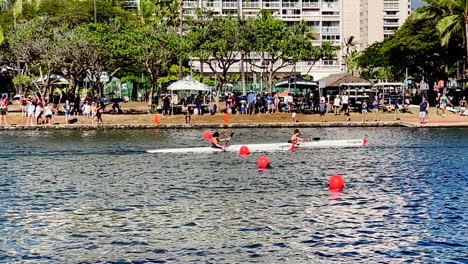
{"x":136,"y":113}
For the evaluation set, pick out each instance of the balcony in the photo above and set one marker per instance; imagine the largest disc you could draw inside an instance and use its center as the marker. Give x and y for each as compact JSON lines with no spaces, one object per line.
{"x":211,"y":4}
{"x":330,"y":6}
{"x":330,"y":30}
{"x":291,"y":4}
{"x":310,"y":5}
{"x":251,"y":4}
{"x":190,"y":4}
{"x":271,"y":4}
{"x":391,"y":6}
{"x":230,"y":5}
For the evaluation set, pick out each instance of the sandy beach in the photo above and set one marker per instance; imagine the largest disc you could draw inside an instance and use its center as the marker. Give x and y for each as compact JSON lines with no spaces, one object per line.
{"x":136,"y":115}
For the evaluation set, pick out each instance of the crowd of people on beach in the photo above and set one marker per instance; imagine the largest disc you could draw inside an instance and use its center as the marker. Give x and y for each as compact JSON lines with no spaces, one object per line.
{"x":284,"y":102}
{"x":37,"y":110}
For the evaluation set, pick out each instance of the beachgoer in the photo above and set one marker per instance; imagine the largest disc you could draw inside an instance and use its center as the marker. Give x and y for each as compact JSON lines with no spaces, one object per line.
{"x":215,"y":140}
{"x":67,"y":108}
{"x":270,"y":103}
{"x":86,"y":109}
{"x":166,"y":104}
{"x":76,"y":105}
{"x":462,"y":106}
{"x":3,"y":110}
{"x":423,"y":109}
{"x":336,"y":105}
{"x":93,"y":111}
{"x":31,"y":112}
{"x":276,"y":100}
{"x":295,"y":139}
{"x":99,"y":112}
{"x":48,"y":113}
{"x":396,"y":106}
{"x":322,"y":110}
{"x":364,"y":111}
{"x":198,"y":100}
{"x":186,"y":112}
{"x":443,"y":103}
{"x":251,"y":102}
{"x":347,"y":113}
{"x":345,"y":103}
{"x":375,"y":109}
{"x":24,"y":106}
{"x":38,"y":114}
{"x":294,"y":111}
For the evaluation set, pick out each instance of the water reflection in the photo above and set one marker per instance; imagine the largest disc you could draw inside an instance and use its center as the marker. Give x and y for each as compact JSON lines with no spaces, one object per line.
{"x":94,"y":196}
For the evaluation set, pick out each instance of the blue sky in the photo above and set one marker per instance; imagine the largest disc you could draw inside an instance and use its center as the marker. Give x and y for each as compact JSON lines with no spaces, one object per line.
{"x":416,"y":3}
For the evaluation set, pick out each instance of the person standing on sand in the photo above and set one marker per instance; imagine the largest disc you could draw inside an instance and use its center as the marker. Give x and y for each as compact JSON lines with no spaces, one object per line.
{"x":186,"y":112}
{"x":443,"y":103}
{"x":99,"y":112}
{"x":397,"y":108}
{"x":67,"y":109}
{"x":462,"y":106}
{"x":38,"y":114}
{"x":336,"y":105}
{"x":364,"y":111}
{"x":24,"y":106}
{"x":423,"y":109}
{"x":93,"y":111}
{"x":31,"y":112}
{"x":375,"y":109}
{"x":322,"y":110}
{"x":276,"y":101}
{"x":345,"y":103}
{"x":3,"y":110}
{"x":166,"y":104}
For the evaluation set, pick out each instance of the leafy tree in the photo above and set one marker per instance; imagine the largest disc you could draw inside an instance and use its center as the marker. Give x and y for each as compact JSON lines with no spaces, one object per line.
{"x":216,"y":42}
{"x":453,"y":21}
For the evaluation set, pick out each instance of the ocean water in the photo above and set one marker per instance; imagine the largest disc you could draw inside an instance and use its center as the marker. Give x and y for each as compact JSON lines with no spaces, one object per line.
{"x":96,"y":197}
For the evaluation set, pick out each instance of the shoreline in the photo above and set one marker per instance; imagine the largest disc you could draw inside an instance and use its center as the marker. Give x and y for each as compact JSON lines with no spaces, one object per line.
{"x":234,"y":125}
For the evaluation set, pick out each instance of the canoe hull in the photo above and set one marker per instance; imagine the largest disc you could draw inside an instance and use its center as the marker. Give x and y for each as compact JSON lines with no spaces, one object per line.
{"x":269,"y":147}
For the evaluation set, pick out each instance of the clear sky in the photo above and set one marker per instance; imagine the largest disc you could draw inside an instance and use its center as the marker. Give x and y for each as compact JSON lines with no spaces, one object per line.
{"x":416,"y":3}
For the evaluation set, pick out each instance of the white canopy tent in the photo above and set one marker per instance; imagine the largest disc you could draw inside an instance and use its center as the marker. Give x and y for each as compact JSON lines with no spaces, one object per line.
{"x":187,"y":84}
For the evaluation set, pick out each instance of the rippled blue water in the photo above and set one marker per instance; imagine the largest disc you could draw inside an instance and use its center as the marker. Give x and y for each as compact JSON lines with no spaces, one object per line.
{"x":95,"y":197}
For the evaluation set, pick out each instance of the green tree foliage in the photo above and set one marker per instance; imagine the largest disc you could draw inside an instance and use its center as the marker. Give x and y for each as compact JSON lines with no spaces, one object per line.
{"x":415,"y":46}
{"x":452,"y":16}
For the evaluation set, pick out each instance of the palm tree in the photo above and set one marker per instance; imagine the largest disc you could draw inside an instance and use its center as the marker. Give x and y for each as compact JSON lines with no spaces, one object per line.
{"x":453,"y":19}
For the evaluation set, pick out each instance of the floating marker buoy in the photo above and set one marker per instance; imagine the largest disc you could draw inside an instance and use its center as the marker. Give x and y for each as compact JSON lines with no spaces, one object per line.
{"x":226,"y":118}
{"x":263,"y":162}
{"x":336,"y":182}
{"x":207,"y":135}
{"x":244,"y":150}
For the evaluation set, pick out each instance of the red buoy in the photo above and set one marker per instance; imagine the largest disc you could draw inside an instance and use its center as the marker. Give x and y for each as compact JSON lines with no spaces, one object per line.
{"x":207,"y":135}
{"x":263,"y":162}
{"x":244,"y":150}
{"x":336,"y":182}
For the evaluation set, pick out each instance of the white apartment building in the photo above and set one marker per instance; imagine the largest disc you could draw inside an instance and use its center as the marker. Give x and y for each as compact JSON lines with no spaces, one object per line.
{"x":367,"y":21}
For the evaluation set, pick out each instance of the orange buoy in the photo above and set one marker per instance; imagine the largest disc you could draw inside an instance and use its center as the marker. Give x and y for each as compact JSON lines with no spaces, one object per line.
{"x":263,"y":163}
{"x":156,"y":120}
{"x":336,"y":182}
{"x":207,"y":135}
{"x":244,"y":150}
{"x":226,"y":118}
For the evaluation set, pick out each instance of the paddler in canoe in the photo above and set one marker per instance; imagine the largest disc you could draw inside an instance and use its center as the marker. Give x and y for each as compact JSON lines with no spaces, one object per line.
{"x":215,"y":140}
{"x":295,"y":139}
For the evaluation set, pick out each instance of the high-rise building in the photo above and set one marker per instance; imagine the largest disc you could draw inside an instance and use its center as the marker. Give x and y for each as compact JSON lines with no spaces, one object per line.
{"x":349,"y":24}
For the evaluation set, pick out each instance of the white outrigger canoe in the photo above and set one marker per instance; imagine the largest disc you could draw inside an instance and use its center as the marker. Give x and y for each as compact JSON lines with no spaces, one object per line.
{"x":269,"y":147}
